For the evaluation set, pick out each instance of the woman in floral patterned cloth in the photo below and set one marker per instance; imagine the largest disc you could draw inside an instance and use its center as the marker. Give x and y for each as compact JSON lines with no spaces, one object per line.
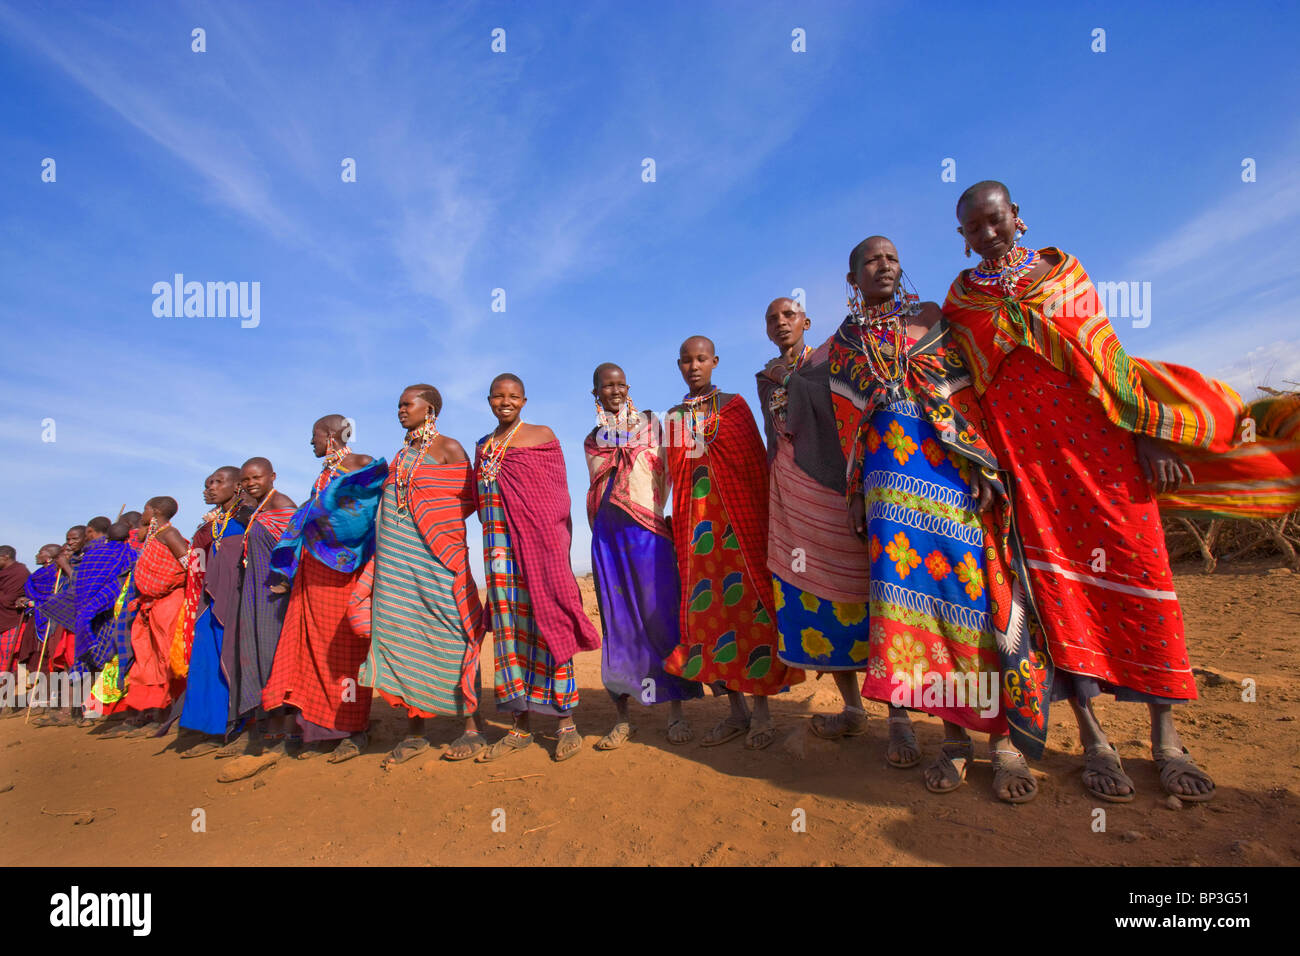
{"x":950,"y":631}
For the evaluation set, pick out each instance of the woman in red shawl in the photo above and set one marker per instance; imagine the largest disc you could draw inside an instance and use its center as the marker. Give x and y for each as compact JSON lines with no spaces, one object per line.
{"x":718,"y":468}
{"x":159,"y":579}
{"x":1085,"y":434}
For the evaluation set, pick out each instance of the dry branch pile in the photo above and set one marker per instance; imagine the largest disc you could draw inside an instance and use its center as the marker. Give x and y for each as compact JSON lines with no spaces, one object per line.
{"x":1227,"y":539}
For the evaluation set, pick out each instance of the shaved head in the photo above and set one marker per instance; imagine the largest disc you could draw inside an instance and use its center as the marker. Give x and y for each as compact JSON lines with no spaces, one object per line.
{"x":229,"y":472}
{"x":697,"y":342}
{"x":336,"y":425}
{"x":779,"y":305}
{"x":508,"y":377}
{"x":859,"y":253}
{"x":982,"y":188}
{"x":259,"y":462}
{"x":601,"y":369}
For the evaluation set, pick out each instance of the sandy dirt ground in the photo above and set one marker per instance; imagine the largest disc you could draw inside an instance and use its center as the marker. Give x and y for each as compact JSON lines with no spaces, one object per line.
{"x":67,"y":798}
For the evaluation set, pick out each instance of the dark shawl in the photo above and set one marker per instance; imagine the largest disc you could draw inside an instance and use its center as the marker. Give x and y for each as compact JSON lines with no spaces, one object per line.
{"x":252,"y":616}
{"x":810,"y":420}
{"x":12,"y":580}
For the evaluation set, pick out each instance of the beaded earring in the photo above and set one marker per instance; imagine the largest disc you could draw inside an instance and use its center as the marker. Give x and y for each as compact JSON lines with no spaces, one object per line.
{"x":1020,"y":225}
{"x":906,"y":295}
{"x":967,"y":248}
{"x":854,"y":299}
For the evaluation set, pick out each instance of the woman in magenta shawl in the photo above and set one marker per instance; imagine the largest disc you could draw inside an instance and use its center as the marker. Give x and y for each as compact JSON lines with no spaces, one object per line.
{"x":533,"y":606}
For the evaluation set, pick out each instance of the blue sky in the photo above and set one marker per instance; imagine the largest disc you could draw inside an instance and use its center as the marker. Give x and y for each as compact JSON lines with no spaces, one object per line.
{"x":522,"y":171}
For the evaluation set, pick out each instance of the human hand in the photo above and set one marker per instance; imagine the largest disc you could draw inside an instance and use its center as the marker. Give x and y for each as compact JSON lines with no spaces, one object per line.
{"x":1162,"y":468}
{"x":982,"y":490}
{"x":858,"y":516}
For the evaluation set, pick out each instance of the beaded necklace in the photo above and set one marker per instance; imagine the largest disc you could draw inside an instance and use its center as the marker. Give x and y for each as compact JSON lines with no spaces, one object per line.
{"x":707,"y":426}
{"x":494,"y":452}
{"x":622,"y":420}
{"x":330,"y":468}
{"x":408,"y":460}
{"x":780,"y":395}
{"x":624,"y":428}
{"x":882,"y":340}
{"x":1005,"y":271}
{"x":220,"y":519}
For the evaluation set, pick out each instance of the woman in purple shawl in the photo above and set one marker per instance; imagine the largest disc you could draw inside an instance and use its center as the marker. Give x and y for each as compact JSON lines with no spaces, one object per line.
{"x":533,"y":606}
{"x":632,"y":559}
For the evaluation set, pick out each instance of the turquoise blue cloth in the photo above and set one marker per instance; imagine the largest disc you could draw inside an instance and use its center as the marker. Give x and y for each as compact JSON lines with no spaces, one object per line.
{"x":337,"y":526}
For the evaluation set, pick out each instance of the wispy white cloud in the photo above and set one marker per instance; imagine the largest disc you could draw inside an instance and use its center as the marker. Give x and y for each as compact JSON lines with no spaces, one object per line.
{"x":1276,"y":365}
{"x":1249,"y":210}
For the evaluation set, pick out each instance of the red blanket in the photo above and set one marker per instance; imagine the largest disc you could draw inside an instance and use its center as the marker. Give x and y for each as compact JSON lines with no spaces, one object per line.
{"x":738,"y":467}
{"x":319,"y":654}
{"x":535,"y":490}
{"x":157,"y":572}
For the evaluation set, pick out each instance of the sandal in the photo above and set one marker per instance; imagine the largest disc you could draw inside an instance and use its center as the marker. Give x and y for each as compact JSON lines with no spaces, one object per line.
{"x":760,"y":738}
{"x":504,"y":747}
{"x":349,"y":747}
{"x":1173,"y":766}
{"x":57,"y":718}
{"x":951,"y":766}
{"x":310,"y":752}
{"x":1009,"y":765}
{"x":841,"y":724}
{"x":621,"y":734}
{"x":906,"y":738}
{"x":472,"y":739}
{"x":1103,"y":761}
{"x":121,"y":730}
{"x":239,"y":747}
{"x":200,"y":749}
{"x":729,"y":728}
{"x":408,"y":748}
{"x":150,"y":729}
{"x":564,"y":749}
{"x":684,"y":733}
